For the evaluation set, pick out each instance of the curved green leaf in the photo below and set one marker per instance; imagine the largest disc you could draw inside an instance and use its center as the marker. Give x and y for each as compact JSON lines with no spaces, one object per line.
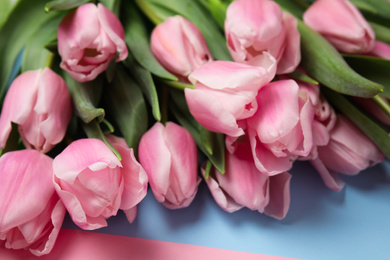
{"x":324,"y":63}
{"x":382,"y":33}
{"x":64,"y":4}
{"x":127,"y":107}
{"x":16,"y":32}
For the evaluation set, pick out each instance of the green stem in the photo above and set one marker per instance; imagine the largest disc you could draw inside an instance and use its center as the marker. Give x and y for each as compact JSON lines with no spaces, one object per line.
{"x":164,"y":105}
{"x":93,"y":130}
{"x":382,"y":103}
{"x":50,"y":59}
{"x":177,"y":85}
{"x":148,"y":12}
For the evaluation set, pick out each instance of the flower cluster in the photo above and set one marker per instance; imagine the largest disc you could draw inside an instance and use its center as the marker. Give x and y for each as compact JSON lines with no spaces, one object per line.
{"x":242,"y":112}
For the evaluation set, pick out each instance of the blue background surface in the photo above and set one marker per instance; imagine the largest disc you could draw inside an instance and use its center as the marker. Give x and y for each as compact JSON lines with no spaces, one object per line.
{"x":321,"y":224}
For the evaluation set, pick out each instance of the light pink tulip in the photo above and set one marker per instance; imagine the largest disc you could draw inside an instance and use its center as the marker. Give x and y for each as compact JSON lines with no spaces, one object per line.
{"x":39,"y":102}
{"x":349,"y":151}
{"x":88,"y":39}
{"x":225,"y":92}
{"x":243,"y":185}
{"x":380,"y":50}
{"x":253,"y":27}
{"x":170,"y":158}
{"x":179,"y":46}
{"x":281,"y":129}
{"x":94,"y":184}
{"x":31,"y":211}
{"x":342,"y":24}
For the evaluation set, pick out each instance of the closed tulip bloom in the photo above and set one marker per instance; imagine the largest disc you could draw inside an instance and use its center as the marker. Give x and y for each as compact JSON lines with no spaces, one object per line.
{"x":179,"y":46}
{"x":94,"y":184}
{"x":342,"y":24}
{"x":39,"y":103}
{"x":253,"y":27}
{"x":88,"y":39}
{"x":31,"y":211}
{"x":170,"y":158}
{"x":349,"y":151}
{"x":225,"y":92}
{"x":281,"y":129}
{"x":243,"y":185}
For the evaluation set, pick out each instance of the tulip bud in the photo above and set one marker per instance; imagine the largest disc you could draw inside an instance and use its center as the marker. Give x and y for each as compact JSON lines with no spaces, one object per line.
{"x":179,"y":46}
{"x":243,"y":185}
{"x":253,"y":27}
{"x":39,"y":102}
{"x":88,"y":39}
{"x":170,"y":158}
{"x":225,"y":92}
{"x":94,"y":184}
{"x":380,"y":50}
{"x":31,"y":211}
{"x":342,"y":24}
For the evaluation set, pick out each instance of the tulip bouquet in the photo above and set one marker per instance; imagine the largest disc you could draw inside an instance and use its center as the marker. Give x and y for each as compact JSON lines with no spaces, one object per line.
{"x":101,"y":99}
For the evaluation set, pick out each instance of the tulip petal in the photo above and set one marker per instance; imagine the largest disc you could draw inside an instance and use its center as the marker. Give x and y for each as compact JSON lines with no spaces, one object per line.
{"x":329,"y":177}
{"x":279,"y":192}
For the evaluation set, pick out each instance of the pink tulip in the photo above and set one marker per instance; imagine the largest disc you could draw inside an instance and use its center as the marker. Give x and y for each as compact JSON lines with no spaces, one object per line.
{"x":380,"y":50}
{"x":170,"y":158}
{"x":341,"y":23}
{"x":39,"y":102}
{"x":243,"y":185}
{"x":349,"y":151}
{"x":225,"y":92}
{"x":281,"y":129}
{"x":94,"y":184}
{"x":179,"y":46}
{"x":253,"y":27}
{"x":88,"y":39}
{"x":31,"y":212}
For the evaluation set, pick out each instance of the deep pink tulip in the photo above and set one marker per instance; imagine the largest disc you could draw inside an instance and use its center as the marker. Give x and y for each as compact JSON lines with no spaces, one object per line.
{"x":170,"y":158}
{"x":349,"y":151}
{"x":88,"y":39}
{"x":179,"y":46}
{"x":94,"y":184}
{"x":281,"y":129}
{"x":225,"y":92}
{"x":342,"y":24}
{"x":31,"y":211}
{"x":253,"y":27}
{"x":243,"y":185}
{"x":39,"y":102}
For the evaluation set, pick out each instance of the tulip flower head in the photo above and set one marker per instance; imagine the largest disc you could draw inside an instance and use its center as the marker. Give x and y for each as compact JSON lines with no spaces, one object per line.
{"x":39,"y":102}
{"x":253,"y":27}
{"x":179,"y":46}
{"x":342,"y":24}
{"x":88,"y":39}
{"x":94,"y":184}
{"x":31,"y":211}
{"x":170,"y":158}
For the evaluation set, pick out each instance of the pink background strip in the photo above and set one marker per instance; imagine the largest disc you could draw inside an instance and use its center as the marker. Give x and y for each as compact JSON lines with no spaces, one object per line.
{"x":74,"y":244}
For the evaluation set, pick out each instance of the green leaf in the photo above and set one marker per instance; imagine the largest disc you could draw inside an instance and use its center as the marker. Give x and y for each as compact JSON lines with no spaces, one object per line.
{"x":113,"y":5}
{"x":372,"y":68}
{"x":193,"y":11}
{"x":146,"y":84}
{"x":127,"y":107}
{"x":378,"y":7}
{"x":35,"y":54}
{"x":6,"y":9}
{"x":85,"y":97}
{"x":295,"y":7}
{"x":137,"y":39}
{"x":218,"y":11}
{"x":93,"y":130}
{"x":64,"y":4}
{"x":20,"y":26}
{"x":377,"y":134}
{"x":324,"y":63}
{"x":210,"y":143}
{"x":299,"y":75}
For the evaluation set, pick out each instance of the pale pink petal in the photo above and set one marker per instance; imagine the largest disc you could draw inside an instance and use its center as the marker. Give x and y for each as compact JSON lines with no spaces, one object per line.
{"x":381,"y":50}
{"x":329,"y":177}
{"x":131,"y":214}
{"x":279,"y":193}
